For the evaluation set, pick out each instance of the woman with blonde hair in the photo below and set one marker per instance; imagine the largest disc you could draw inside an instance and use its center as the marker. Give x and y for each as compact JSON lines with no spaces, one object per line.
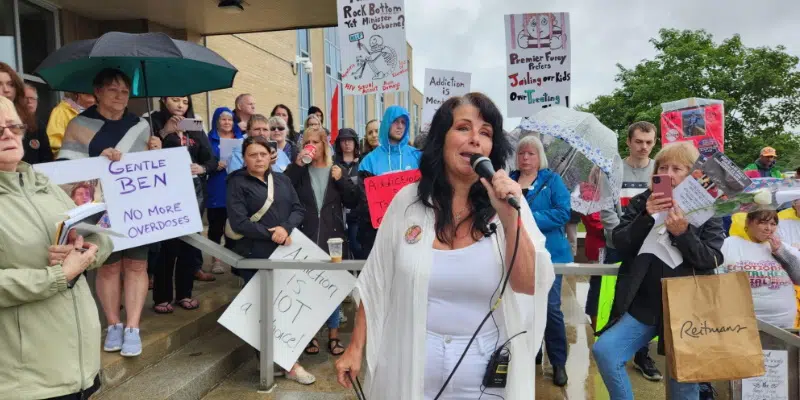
{"x":324,"y":191}
{"x":49,"y":325}
{"x":636,"y":316}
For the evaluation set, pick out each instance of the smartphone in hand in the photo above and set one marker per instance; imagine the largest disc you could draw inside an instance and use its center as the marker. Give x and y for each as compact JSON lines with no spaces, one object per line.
{"x":190,"y":124}
{"x":662,"y":184}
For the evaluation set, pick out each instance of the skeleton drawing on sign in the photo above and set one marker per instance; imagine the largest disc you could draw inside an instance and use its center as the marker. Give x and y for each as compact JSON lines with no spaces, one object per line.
{"x":541,"y":31}
{"x":382,"y":60}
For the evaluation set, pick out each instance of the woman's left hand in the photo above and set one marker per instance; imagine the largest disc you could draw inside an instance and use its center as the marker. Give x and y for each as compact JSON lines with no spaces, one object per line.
{"x":676,"y":222}
{"x":154,"y":143}
{"x":336,"y":172}
{"x":501,"y":188}
{"x":198,"y":169}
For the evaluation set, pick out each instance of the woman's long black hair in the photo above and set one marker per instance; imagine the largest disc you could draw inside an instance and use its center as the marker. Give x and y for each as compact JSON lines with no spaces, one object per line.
{"x":435,"y":191}
{"x":290,"y":122}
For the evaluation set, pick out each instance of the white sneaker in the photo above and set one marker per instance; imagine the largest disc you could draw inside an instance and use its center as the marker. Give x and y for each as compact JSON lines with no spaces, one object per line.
{"x":217,"y":268}
{"x":342,"y":317}
{"x":301,"y":376}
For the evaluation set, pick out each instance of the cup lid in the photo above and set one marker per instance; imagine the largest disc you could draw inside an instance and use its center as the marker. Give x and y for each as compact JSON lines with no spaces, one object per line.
{"x":335,"y":240}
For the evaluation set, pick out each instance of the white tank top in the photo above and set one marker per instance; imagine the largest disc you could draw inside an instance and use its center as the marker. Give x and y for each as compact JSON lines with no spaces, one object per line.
{"x":461,"y":286}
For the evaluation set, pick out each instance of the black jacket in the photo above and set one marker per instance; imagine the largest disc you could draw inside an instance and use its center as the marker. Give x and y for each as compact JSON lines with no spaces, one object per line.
{"x":350,"y":170}
{"x":329,"y":223}
{"x":37,"y":146}
{"x":197,"y":142}
{"x":638,"y":289}
{"x":246,"y":195}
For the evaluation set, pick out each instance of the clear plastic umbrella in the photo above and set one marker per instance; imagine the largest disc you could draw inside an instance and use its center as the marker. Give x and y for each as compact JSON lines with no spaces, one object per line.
{"x":583,"y":151}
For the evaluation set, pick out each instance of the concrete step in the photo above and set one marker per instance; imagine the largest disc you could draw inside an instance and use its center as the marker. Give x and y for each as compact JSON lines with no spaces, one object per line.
{"x":189,"y":373}
{"x":167,"y":333}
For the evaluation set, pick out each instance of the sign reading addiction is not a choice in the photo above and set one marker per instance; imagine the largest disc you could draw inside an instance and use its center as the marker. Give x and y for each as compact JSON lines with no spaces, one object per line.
{"x":150,"y":195}
{"x":380,"y":191}
{"x":304,"y":299}
{"x":441,"y":85}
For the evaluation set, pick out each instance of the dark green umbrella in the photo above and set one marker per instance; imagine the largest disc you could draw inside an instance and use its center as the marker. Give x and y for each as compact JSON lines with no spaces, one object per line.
{"x":158,"y":65}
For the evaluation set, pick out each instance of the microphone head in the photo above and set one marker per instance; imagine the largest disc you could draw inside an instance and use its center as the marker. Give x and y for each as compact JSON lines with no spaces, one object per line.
{"x":475,"y":159}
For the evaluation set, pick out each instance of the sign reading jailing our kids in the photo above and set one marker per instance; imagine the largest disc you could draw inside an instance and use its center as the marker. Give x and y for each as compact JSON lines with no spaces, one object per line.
{"x":150,"y":195}
{"x":538,"y":62}
{"x":372,"y":39}
{"x":441,"y":85}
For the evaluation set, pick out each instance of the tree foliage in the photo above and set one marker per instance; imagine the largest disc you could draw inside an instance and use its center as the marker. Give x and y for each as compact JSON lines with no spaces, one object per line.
{"x":760,"y":88}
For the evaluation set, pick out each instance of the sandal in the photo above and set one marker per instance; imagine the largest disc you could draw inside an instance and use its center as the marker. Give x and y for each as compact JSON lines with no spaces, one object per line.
{"x":312,"y":348}
{"x":189,"y":304}
{"x":163,"y":308}
{"x":333,"y":345}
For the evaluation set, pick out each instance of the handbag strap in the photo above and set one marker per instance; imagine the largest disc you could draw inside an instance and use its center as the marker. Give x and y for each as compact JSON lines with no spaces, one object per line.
{"x":267,"y":204}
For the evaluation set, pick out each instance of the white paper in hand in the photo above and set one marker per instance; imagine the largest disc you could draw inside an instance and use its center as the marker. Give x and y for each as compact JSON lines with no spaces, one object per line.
{"x":304,"y":299}
{"x":659,"y":244}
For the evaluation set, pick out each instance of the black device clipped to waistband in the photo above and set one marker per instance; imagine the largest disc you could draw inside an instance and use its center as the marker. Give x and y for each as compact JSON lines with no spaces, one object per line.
{"x":497,"y":369}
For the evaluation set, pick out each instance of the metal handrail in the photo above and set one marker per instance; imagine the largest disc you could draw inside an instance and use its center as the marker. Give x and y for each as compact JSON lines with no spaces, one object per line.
{"x":267,"y":379}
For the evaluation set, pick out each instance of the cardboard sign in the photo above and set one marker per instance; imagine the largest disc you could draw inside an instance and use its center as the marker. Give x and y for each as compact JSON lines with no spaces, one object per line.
{"x":372,"y":39}
{"x":303,"y":302}
{"x":441,"y":85}
{"x":381,"y":190}
{"x":704,"y":125}
{"x":538,"y":62}
{"x":150,"y":194}
{"x":774,"y":384}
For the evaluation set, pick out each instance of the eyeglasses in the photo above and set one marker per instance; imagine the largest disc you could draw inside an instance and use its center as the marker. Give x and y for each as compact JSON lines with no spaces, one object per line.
{"x":277,"y":128}
{"x":17,"y":129}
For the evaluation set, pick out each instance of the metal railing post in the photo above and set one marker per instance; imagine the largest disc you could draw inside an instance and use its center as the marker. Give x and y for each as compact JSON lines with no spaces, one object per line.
{"x":267,"y":380}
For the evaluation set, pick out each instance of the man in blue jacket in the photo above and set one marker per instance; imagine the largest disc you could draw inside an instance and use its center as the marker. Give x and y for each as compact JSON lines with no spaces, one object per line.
{"x":394,"y":154}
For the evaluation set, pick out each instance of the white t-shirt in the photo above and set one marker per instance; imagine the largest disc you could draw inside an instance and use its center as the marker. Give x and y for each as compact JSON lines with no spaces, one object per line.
{"x":789,"y":232}
{"x":772,"y":289}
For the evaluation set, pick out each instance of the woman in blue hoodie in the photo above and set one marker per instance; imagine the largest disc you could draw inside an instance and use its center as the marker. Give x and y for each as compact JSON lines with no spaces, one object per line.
{"x":394,"y":154}
{"x":549,"y":201}
{"x":222,"y":127}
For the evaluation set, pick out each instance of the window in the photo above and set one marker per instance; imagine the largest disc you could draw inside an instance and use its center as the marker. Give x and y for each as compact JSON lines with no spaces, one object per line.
{"x":378,"y":106}
{"x":361,"y":115}
{"x":37,"y":28}
{"x":333,"y":73}
{"x":404,"y":100}
{"x":303,"y":79}
{"x":8,"y":43}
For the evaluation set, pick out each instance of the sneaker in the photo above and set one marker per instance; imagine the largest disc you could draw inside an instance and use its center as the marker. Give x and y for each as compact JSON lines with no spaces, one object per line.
{"x":647,"y":367}
{"x":707,"y":392}
{"x":217,"y":267}
{"x":132,"y":345}
{"x":114,"y":338}
{"x":342,"y":317}
{"x":301,"y":376}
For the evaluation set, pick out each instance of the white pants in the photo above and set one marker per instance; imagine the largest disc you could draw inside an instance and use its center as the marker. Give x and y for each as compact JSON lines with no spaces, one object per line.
{"x":442,"y":355}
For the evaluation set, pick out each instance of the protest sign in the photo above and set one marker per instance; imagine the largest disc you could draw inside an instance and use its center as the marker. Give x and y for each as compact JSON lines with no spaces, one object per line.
{"x":227,"y":148}
{"x":304,"y":299}
{"x":372,"y":39}
{"x":701,"y":121}
{"x":774,"y":384}
{"x":381,"y":190}
{"x":441,"y":85}
{"x":538,"y":62}
{"x":149,"y":195}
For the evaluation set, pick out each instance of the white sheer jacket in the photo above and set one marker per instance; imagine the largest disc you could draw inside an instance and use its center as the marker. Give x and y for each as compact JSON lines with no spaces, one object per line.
{"x":393,"y":289}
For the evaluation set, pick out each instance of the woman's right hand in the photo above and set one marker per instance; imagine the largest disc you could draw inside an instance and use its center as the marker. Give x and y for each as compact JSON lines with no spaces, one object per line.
{"x":299,"y":159}
{"x":171,"y":125}
{"x":78,"y":260}
{"x":349,"y":363}
{"x":111,"y":154}
{"x":222,"y":165}
{"x":657,"y":203}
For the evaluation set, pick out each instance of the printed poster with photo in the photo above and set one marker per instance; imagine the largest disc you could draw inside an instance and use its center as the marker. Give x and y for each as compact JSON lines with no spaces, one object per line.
{"x":441,"y":85}
{"x":372,"y":40}
{"x":538,"y":62}
{"x":701,"y":121}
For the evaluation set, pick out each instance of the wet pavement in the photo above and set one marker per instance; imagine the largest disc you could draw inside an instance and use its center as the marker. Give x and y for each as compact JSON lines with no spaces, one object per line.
{"x":584,"y":380}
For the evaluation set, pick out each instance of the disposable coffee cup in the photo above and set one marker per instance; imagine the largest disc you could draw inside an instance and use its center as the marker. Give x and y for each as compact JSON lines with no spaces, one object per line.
{"x":335,"y":249}
{"x":312,"y":151}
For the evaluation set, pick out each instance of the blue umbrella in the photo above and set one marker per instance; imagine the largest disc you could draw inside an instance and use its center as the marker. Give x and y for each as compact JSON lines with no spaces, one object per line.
{"x":158,"y":65}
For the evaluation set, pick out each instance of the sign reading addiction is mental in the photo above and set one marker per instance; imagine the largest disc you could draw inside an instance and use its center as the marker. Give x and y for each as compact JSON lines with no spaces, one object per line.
{"x":441,"y":85}
{"x":150,"y":195}
{"x":538,"y":62}
{"x":372,"y":39}
{"x":381,"y":190}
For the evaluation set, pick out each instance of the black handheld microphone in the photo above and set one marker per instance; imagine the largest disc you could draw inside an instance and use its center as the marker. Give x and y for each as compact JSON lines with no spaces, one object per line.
{"x":483,"y":167}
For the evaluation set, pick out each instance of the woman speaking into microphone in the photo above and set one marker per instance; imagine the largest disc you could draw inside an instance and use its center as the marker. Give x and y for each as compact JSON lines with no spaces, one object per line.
{"x":438,"y":267}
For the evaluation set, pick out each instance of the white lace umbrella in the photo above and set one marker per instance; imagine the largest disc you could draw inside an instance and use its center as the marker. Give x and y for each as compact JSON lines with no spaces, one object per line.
{"x":584,"y":152}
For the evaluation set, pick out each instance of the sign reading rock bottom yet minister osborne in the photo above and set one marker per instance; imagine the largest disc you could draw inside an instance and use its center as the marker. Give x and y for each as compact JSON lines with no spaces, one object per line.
{"x":538,"y":62}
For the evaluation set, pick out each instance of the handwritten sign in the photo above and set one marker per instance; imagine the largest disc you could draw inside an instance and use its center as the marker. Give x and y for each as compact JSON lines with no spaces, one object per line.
{"x":381,"y":190}
{"x":441,"y":85}
{"x":304,"y":299}
{"x":774,"y":384}
{"x":538,"y":62}
{"x":150,"y":195}
{"x":372,"y":38}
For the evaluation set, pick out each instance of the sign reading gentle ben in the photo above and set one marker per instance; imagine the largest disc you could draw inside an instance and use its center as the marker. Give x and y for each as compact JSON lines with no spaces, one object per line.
{"x":381,"y":190}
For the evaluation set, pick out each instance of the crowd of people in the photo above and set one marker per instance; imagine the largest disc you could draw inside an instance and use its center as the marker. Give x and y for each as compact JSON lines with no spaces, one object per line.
{"x":444,"y":246}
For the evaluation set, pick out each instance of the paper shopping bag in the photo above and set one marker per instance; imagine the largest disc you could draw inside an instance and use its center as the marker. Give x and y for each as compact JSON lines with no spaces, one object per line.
{"x":710,"y":328}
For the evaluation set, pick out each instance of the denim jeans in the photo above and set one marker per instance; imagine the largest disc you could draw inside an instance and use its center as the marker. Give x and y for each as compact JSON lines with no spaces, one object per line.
{"x":616,"y":346}
{"x":555,"y":334}
{"x":335,"y":319}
